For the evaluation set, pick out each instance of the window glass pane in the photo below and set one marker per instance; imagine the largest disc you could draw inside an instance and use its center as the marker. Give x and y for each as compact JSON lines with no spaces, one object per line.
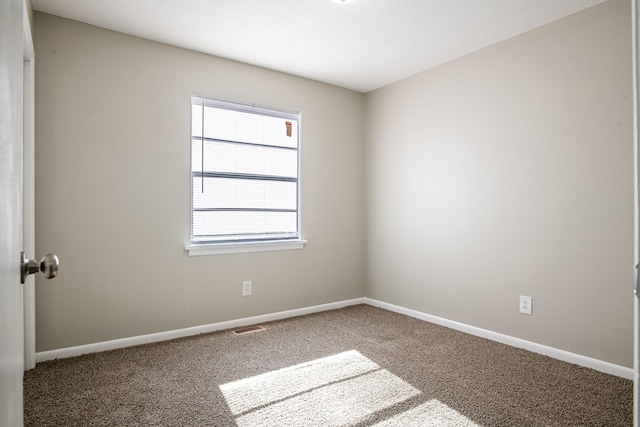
{"x":221,"y":193}
{"x":244,"y":165}
{"x":246,"y":159}
{"x":279,"y":162}
{"x":229,"y":125}
{"x":230,"y":224}
{"x":220,"y":124}
{"x":267,"y":130}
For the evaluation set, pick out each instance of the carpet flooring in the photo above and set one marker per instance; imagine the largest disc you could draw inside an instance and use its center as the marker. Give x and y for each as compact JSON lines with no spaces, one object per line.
{"x":356,"y":366}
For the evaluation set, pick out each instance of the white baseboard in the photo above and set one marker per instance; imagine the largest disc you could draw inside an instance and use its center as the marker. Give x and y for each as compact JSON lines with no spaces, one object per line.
{"x":179,"y":333}
{"x":555,"y":353}
{"x":565,"y":356}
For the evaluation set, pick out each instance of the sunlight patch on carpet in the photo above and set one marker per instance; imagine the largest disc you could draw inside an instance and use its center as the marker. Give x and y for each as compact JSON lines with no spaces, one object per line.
{"x":333,"y":391}
{"x":249,"y":393}
{"x":432,"y":413}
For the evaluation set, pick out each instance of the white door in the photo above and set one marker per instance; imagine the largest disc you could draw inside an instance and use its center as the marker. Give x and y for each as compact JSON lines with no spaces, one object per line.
{"x":11,"y":310}
{"x":28,"y":189}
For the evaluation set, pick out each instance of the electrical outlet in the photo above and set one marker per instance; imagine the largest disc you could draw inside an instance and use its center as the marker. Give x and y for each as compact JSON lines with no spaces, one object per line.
{"x":526,"y":305}
{"x":247,"y":288}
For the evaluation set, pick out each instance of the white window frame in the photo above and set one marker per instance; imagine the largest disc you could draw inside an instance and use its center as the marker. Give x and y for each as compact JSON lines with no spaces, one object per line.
{"x":242,"y":246}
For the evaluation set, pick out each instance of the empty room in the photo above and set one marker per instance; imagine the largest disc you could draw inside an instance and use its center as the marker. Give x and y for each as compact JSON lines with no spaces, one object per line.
{"x":330,"y":213}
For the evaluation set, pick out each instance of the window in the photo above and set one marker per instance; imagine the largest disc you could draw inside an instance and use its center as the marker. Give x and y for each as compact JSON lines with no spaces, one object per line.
{"x":244,"y":177}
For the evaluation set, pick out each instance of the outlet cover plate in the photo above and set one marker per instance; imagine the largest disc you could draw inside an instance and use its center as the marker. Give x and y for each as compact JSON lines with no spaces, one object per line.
{"x":526,"y":305}
{"x":247,"y":288}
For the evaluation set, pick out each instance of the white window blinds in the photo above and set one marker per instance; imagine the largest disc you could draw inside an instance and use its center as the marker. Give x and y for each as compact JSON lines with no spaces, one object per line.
{"x":244,"y":173}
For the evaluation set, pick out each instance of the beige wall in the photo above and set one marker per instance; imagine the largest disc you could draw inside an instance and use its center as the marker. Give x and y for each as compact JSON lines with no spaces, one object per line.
{"x":510,"y":172}
{"x":507,"y":172}
{"x":112,"y":135}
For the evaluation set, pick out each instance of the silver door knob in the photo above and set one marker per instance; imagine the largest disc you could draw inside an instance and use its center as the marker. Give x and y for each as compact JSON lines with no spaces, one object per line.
{"x":48,"y":266}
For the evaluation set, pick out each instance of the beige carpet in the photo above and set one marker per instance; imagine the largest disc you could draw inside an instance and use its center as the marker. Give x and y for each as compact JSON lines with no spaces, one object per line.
{"x":357,"y":366}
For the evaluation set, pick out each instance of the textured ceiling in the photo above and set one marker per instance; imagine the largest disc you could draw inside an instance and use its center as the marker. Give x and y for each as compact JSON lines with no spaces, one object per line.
{"x":361,"y":45}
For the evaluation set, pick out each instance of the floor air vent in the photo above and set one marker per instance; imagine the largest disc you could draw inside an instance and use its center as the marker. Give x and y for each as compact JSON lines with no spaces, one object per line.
{"x":249,"y":330}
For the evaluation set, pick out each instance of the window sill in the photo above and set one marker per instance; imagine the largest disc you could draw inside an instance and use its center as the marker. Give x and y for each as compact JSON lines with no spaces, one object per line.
{"x":236,"y":248}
